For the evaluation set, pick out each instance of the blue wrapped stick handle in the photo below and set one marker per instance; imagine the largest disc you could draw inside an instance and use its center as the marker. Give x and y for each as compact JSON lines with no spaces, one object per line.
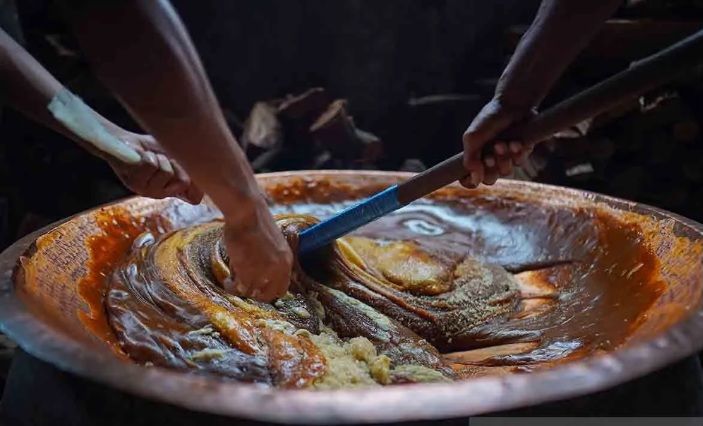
{"x":349,"y":219}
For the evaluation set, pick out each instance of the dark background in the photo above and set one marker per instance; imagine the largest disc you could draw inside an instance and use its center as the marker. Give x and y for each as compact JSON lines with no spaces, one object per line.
{"x":414,"y":73}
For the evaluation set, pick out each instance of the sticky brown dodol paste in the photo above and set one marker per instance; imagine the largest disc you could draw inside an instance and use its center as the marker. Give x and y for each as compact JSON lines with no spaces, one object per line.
{"x":362,"y":313}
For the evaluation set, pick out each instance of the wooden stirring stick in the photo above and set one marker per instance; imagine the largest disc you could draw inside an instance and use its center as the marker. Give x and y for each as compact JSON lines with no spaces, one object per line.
{"x":643,"y":75}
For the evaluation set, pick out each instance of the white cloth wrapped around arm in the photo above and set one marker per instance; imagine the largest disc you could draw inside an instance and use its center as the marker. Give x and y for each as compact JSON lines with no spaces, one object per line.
{"x":73,"y":113}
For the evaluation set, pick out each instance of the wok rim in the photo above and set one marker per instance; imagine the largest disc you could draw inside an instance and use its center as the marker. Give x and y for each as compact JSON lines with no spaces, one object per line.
{"x":386,"y":404}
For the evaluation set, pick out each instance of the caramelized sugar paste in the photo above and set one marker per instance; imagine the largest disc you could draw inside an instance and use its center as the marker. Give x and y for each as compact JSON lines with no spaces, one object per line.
{"x":450,"y":287}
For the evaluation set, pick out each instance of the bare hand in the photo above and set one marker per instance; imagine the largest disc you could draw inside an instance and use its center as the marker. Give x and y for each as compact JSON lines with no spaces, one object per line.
{"x":493,"y":119}
{"x":156,"y":176}
{"x":259,"y":256}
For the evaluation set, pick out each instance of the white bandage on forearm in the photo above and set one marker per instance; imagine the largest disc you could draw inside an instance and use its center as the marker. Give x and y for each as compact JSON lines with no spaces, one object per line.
{"x":73,"y":113}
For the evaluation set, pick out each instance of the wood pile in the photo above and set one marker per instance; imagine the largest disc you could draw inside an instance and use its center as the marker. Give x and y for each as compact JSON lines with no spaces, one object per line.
{"x":649,"y":151}
{"x":307,"y":131}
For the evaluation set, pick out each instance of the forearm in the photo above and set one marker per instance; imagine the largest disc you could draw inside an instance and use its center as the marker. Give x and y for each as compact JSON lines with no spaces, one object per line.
{"x":141,"y":51}
{"x":26,"y":85}
{"x":561,"y":29}
{"x":29,"y":88}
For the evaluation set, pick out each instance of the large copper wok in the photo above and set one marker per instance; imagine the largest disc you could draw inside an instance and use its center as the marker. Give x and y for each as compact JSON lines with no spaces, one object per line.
{"x":40,"y":312}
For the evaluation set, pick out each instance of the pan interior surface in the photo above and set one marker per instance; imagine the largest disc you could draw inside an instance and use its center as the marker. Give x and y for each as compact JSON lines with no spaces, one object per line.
{"x":577,"y":280}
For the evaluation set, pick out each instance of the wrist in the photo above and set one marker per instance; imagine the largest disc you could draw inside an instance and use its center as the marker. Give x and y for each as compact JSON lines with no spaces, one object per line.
{"x":516,"y":98}
{"x":243,"y":207}
{"x":248,"y":220}
{"x":516,"y":107}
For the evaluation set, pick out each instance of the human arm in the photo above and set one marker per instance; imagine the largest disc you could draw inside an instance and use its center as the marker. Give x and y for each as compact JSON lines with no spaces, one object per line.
{"x":142,"y":52}
{"x":560,"y":30}
{"x":29,"y":88}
